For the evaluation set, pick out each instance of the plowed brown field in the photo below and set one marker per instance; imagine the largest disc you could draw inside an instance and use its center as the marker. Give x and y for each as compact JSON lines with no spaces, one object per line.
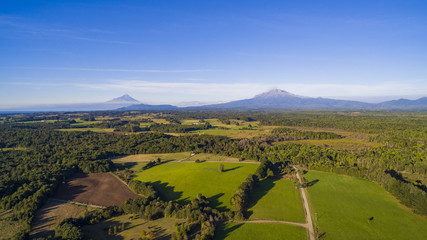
{"x":101,"y":189}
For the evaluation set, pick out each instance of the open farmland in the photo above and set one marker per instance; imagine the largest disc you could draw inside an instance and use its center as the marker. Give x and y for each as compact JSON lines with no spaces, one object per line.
{"x":183,"y":181}
{"x":343,"y":206}
{"x":255,"y":231}
{"x":102,"y":189}
{"x":276,"y":199}
{"x":209,"y":157}
{"x":153,"y":157}
{"x":51,"y":214}
{"x":99,"y":130}
{"x":236,"y":132}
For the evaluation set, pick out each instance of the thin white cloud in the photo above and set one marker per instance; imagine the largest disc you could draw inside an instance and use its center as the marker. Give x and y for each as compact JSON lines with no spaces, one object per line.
{"x":218,"y":89}
{"x":17,"y":26}
{"x":119,"y":70}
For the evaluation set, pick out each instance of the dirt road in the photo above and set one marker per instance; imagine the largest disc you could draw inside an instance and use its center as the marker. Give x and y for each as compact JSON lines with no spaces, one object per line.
{"x":308,"y":218}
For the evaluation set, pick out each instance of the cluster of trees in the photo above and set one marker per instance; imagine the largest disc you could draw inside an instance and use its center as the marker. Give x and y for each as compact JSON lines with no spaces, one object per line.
{"x":70,"y":228}
{"x":293,"y":134}
{"x":178,"y":128}
{"x":200,"y":218}
{"x":151,"y":164}
{"x":142,"y":188}
{"x":240,"y":199}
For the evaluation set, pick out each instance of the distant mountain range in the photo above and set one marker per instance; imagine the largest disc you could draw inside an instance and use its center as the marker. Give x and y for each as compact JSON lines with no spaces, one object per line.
{"x":141,"y":107}
{"x":275,"y":99}
{"x":115,"y":103}
{"x":125,"y":99}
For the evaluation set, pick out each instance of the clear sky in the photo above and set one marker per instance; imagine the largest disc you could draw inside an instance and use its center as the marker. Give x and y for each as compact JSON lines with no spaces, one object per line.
{"x":204,"y":50}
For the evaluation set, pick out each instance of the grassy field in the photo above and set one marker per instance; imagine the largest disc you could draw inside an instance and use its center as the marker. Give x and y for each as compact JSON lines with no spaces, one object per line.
{"x":151,"y":157}
{"x":344,"y":204}
{"x":100,"y":130}
{"x":255,"y":231}
{"x":189,"y":121}
{"x":236,"y":128}
{"x":233,"y":123}
{"x":183,"y":181}
{"x":214,"y":157}
{"x":85,"y":123}
{"x":236,"y":132}
{"x":13,"y":149}
{"x":163,"y":228}
{"x":276,"y":199}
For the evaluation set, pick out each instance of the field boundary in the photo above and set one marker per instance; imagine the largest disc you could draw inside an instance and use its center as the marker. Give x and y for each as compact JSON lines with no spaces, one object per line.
{"x":304,"y":225}
{"x":5,"y":212}
{"x":77,"y":203}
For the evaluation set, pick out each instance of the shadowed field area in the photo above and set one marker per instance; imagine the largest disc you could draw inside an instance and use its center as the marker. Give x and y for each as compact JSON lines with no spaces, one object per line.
{"x":161,"y":229}
{"x":351,"y":208}
{"x":102,"y":189}
{"x":276,"y":199}
{"x":184,"y":180}
{"x":51,"y":214}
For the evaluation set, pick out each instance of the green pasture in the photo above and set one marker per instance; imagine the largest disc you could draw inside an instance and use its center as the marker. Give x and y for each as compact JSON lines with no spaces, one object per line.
{"x":256,"y":231}
{"x":185,"y":180}
{"x":85,"y":123}
{"x":99,"y":130}
{"x":276,"y":199}
{"x":39,"y":121}
{"x":13,"y":149}
{"x":189,"y":121}
{"x":154,"y":157}
{"x":236,"y":132}
{"x":212,"y":157}
{"x":233,"y":123}
{"x":342,"y":206}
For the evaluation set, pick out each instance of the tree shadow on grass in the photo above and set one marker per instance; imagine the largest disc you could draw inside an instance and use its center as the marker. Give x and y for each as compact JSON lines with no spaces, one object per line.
{"x":123,"y":165}
{"x":311,"y":183}
{"x":260,"y":190}
{"x":232,"y":169}
{"x":215,"y":203}
{"x":166,"y":192}
{"x":105,"y":230}
{"x":223,"y":231}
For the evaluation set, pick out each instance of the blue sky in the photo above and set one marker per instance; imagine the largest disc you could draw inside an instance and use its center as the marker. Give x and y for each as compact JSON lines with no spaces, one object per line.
{"x":179,"y":51}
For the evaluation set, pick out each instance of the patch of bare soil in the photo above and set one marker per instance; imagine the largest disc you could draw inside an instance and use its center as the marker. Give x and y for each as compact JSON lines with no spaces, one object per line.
{"x":101,"y":189}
